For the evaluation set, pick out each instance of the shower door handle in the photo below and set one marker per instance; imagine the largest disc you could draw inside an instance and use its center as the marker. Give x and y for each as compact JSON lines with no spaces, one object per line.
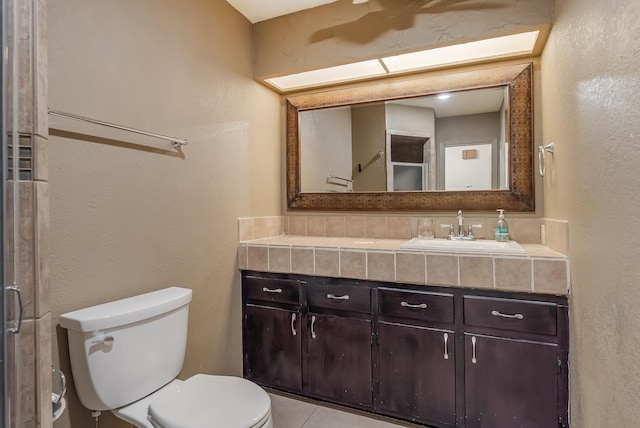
{"x":17,"y":324}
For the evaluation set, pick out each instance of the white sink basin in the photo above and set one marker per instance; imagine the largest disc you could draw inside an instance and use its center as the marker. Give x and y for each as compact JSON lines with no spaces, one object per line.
{"x":479,"y":246}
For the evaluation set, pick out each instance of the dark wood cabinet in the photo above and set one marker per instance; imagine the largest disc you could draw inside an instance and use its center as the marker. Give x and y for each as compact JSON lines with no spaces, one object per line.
{"x":442,"y":357}
{"x":272,"y":332}
{"x":515,"y":369}
{"x":338,"y":359}
{"x":273,"y":336}
{"x":510,"y":383}
{"x":338,"y":354}
{"x":416,"y":356}
{"x":417,"y":373}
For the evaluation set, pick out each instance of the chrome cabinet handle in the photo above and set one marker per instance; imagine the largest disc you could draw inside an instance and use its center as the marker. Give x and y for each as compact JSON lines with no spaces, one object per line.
{"x":500,"y":314}
{"x":473,"y":350}
{"x":272,"y":290}
{"x":293,"y":324}
{"x":313,"y":322}
{"x":409,"y":305}
{"x":446,"y":346}
{"x":334,"y":297}
{"x":17,"y":325}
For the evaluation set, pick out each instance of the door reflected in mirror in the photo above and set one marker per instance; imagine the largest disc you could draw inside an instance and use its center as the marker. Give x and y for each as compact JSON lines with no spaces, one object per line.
{"x":450,"y":141}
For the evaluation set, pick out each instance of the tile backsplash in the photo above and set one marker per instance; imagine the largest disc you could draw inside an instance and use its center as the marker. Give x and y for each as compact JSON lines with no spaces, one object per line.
{"x":250,"y":228}
{"x":526,"y":230}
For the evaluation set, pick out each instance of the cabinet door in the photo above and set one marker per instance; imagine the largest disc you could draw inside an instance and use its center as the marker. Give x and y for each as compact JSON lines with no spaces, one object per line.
{"x":338,"y":361}
{"x":510,"y":383}
{"x":417,"y":373}
{"x":273,"y":347}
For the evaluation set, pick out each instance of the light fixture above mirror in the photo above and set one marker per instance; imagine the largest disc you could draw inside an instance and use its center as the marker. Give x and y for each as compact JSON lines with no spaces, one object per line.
{"x":495,"y":48}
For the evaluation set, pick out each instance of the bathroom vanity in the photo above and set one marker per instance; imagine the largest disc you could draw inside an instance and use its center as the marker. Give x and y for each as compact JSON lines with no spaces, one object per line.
{"x":438,"y":356}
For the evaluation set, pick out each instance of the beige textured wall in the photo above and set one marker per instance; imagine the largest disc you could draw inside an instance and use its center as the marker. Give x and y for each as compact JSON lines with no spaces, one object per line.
{"x":368,"y":139}
{"x":590,"y":87}
{"x":126,"y":221}
{"x":327,"y":149}
{"x":340,"y":32}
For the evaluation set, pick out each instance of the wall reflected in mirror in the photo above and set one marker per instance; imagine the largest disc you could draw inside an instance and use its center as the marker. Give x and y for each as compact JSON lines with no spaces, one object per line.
{"x":448,"y":141}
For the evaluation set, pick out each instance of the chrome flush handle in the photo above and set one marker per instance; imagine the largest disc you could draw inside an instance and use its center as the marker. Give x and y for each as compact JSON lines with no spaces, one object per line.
{"x":104,"y":340}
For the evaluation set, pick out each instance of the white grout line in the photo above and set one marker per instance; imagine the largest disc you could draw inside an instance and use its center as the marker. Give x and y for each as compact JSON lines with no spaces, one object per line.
{"x":495,"y":285}
{"x":533,"y":285}
{"x":314,"y":260}
{"x":315,"y":408}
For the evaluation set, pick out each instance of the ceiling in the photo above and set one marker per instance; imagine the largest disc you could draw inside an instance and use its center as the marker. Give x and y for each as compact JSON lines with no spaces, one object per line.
{"x":460,"y":103}
{"x":261,"y":10}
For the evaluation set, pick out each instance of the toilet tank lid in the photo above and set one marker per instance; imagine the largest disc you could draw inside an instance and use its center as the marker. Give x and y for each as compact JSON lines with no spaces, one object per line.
{"x":126,"y":311}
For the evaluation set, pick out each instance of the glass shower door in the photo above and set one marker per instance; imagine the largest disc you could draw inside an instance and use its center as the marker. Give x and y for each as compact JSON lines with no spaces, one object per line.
{"x":10,"y":168}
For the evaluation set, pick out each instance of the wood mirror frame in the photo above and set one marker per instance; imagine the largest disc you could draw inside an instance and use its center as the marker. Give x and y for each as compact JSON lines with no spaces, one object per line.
{"x":520,"y":195}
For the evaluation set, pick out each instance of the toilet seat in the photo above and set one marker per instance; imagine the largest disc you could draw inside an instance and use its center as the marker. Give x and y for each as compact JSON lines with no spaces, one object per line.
{"x":227,"y":401}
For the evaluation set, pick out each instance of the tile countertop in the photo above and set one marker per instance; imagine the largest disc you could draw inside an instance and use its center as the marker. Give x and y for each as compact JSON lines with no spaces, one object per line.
{"x":539,"y":270}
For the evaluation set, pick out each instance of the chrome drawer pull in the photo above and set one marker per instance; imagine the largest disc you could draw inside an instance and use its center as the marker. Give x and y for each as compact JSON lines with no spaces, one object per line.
{"x":293,"y":324}
{"x":499,"y":314}
{"x":446,"y":346}
{"x":409,"y":305}
{"x":272,"y":290}
{"x":473,"y":350}
{"x":334,"y":297}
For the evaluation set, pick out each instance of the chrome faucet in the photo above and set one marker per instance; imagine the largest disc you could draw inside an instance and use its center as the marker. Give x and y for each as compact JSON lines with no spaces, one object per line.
{"x":460,"y":223}
{"x":460,"y":235}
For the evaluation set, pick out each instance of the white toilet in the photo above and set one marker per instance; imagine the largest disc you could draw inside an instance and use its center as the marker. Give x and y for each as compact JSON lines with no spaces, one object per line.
{"x":125,"y":356}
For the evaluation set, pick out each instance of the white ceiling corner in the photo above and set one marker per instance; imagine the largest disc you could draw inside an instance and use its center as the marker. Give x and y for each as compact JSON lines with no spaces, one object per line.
{"x":261,"y":10}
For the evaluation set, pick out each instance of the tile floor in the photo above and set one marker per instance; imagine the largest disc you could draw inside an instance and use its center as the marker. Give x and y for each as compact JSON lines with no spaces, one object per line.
{"x":293,"y":413}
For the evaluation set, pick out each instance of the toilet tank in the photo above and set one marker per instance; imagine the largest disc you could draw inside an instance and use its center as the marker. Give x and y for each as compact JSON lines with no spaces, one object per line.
{"x":124,"y":350}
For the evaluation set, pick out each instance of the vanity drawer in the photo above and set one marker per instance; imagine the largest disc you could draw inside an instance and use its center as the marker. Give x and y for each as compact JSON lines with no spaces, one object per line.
{"x":436,"y":307}
{"x":510,"y":314}
{"x":340,"y":297}
{"x":272,"y":289}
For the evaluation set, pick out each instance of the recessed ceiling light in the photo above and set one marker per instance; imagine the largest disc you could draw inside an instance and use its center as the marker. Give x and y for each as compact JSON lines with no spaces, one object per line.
{"x":340,"y":73}
{"x":497,"y":47}
{"x":443,"y":96}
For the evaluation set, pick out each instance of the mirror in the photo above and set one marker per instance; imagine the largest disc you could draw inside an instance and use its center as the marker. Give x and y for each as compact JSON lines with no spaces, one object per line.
{"x":447,"y":141}
{"x":400,"y":146}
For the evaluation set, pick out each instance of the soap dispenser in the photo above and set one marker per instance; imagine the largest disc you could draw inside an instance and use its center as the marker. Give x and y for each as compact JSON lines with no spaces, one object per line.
{"x":502,"y":228}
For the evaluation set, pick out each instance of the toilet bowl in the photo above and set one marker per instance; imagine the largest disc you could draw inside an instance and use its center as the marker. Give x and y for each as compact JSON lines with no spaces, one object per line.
{"x":231,"y":402}
{"x":125,"y":356}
